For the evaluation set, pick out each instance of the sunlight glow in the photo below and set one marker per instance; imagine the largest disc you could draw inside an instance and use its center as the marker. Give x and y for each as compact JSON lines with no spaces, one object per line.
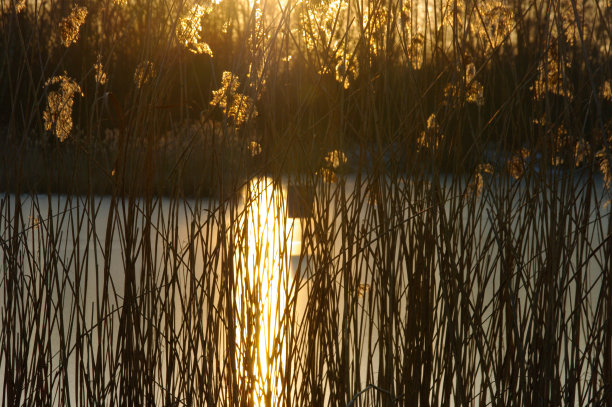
{"x":261,"y":292}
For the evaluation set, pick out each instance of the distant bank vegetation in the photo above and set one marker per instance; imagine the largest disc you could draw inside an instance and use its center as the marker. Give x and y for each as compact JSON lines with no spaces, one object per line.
{"x":448,"y":81}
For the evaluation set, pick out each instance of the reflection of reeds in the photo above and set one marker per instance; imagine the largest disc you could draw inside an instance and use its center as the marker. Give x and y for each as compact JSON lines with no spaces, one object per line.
{"x":457,"y":249}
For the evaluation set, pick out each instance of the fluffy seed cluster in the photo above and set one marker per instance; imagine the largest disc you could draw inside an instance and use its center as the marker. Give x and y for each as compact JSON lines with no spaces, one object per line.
{"x":468,"y":89}
{"x":100,"y":74}
{"x":254,"y":148}
{"x":238,"y":107}
{"x":189,"y":28}
{"x":605,"y":91}
{"x":493,"y":23}
{"x":431,"y":137}
{"x":335,"y":159}
{"x":553,"y":76}
{"x":516,"y":164}
{"x":145,"y":71}
{"x":69,"y":26}
{"x":57,"y":116}
{"x":478,"y":181}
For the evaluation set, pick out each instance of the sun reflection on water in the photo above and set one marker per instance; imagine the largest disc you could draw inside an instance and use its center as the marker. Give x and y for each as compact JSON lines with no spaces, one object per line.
{"x":262,"y":288}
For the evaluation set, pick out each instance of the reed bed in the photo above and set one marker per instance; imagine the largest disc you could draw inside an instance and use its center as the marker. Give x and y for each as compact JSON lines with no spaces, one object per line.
{"x":431,"y":295}
{"x":453,"y":163}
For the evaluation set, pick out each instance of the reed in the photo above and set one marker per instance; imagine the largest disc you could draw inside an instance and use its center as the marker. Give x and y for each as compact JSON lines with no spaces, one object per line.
{"x":457,"y":156}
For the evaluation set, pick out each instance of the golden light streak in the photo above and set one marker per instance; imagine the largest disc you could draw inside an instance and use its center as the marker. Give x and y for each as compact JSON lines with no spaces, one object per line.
{"x":261,"y":292}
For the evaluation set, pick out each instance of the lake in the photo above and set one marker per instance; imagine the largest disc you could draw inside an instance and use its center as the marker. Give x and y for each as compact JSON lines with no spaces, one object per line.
{"x":408,"y":286}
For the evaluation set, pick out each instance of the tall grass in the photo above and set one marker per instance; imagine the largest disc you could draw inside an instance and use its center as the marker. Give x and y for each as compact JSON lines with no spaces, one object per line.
{"x":457,"y":155}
